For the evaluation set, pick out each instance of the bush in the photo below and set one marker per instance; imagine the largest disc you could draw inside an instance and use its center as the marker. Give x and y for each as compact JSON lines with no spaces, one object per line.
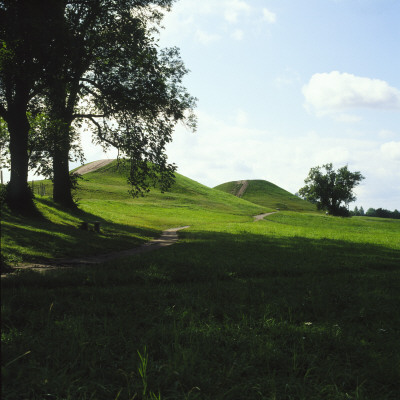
{"x":342,"y":212}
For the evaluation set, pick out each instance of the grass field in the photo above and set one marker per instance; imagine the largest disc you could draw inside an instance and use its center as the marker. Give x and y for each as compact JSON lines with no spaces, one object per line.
{"x":297,"y":306}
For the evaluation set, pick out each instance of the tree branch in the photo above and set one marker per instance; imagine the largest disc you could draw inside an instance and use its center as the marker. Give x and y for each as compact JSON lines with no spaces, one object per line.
{"x":93,"y":83}
{"x":100,"y":133}
{"x":89,"y":116}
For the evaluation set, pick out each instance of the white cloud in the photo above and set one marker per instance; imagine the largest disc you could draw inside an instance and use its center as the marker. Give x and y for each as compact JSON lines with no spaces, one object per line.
{"x":349,"y":118}
{"x":220,"y":17}
{"x":386,"y":134}
{"x":237,"y":34}
{"x":206,"y":38}
{"x":241,"y":117}
{"x":391,"y":150}
{"x":269,"y":16}
{"x":235,"y":8}
{"x":224,"y":151}
{"x":333,"y":92}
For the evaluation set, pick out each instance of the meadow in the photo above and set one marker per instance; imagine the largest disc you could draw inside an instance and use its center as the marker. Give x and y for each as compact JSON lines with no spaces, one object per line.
{"x":296,"y":306}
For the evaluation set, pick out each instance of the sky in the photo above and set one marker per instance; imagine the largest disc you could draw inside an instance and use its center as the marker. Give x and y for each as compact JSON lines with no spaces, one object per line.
{"x":287,"y":85}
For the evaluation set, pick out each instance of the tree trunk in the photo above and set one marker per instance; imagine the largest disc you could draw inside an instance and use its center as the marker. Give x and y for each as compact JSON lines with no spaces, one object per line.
{"x":62,"y":182}
{"x":61,"y":143}
{"x":19,"y":197}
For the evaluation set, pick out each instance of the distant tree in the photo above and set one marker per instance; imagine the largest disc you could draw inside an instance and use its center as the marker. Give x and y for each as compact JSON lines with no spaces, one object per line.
{"x":356,"y":212}
{"x":361,"y":212}
{"x":371,"y":212}
{"x":330,"y":189}
{"x":382,"y":213}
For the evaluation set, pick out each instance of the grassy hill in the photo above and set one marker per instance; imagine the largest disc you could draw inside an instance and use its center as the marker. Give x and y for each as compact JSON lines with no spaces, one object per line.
{"x":269,"y":195}
{"x":126,"y":222}
{"x":296,"y":306}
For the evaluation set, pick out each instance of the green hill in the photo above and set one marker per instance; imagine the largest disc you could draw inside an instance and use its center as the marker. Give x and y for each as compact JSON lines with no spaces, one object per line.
{"x":267,"y":194}
{"x":126,"y":222}
{"x":110,"y":182}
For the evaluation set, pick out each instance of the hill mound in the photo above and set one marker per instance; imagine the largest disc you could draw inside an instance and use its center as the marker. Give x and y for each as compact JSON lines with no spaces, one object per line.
{"x":109,"y":182}
{"x":266,"y":194}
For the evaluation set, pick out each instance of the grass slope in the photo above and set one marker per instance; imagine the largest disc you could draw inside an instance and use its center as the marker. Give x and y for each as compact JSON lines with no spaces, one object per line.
{"x":297,"y":306}
{"x":269,"y":195}
{"x":103,"y":196}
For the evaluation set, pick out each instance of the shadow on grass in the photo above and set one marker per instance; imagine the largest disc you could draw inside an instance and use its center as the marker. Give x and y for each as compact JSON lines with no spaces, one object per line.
{"x":39,"y":238}
{"x":235,"y":315}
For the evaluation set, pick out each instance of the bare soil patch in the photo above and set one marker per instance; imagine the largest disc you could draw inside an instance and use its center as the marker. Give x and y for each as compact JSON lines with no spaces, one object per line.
{"x":243,"y":188}
{"x":93,"y":166}
{"x":261,"y":216}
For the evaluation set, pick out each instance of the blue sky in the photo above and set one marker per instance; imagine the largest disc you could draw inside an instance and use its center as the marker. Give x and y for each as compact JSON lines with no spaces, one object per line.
{"x":287,"y":85}
{"x":284,"y":86}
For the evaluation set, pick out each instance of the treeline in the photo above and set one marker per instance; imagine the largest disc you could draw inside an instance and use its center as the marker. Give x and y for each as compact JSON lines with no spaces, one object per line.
{"x":378,"y":212}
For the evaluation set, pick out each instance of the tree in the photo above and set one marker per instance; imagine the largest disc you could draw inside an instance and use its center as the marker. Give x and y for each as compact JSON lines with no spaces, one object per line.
{"x":101,"y":63}
{"x":132,"y":93}
{"x":382,"y":213}
{"x":329,"y":189}
{"x":23,"y":43}
{"x":361,"y":212}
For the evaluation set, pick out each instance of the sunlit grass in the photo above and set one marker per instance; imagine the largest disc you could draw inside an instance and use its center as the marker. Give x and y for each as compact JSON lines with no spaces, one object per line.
{"x":297,"y":306}
{"x":269,"y":195}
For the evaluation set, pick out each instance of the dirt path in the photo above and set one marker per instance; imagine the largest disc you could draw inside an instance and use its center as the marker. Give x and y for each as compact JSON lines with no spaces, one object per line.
{"x":167,"y":238}
{"x":242,"y":189}
{"x":93,"y":166}
{"x":261,"y":216}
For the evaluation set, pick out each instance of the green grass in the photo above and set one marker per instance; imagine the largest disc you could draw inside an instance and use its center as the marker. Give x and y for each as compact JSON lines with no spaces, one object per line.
{"x":297,"y":306}
{"x":269,"y":195}
{"x":103,"y":196}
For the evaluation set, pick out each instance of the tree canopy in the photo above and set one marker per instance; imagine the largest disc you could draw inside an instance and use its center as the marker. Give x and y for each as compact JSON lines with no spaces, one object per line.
{"x":331,"y":190}
{"x":98,"y":65}
{"x":383,"y":213}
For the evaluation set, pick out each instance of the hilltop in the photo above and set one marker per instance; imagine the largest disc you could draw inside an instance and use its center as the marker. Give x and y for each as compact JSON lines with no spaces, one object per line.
{"x":266,"y":194}
{"x":110,"y":182}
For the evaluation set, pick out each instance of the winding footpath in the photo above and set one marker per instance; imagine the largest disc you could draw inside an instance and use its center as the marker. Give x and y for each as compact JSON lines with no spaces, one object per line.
{"x":262,"y":216}
{"x":167,"y":238}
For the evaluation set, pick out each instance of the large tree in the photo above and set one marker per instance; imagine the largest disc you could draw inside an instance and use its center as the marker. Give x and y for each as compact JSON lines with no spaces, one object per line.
{"x":103,"y":65}
{"x":331,"y":190}
{"x":111,"y":75}
{"x":23,"y":43}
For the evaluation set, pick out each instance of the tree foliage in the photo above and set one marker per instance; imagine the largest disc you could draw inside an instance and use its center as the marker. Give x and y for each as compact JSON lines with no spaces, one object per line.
{"x":382,"y":213}
{"x":98,"y":66}
{"x":24,"y":41}
{"x":331,"y":190}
